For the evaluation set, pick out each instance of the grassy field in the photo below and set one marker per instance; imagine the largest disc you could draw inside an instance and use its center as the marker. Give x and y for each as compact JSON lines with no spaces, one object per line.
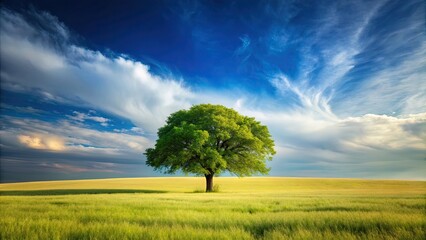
{"x":247,"y":208}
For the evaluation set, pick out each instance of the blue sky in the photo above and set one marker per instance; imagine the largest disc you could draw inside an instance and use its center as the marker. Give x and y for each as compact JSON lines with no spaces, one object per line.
{"x":340,"y":84}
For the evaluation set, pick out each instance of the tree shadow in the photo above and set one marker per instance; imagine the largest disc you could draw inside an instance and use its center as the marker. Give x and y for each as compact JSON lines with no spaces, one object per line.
{"x":74,"y":192}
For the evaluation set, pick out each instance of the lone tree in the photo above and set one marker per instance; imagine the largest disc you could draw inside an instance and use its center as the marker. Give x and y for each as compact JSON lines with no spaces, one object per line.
{"x":210,"y":139}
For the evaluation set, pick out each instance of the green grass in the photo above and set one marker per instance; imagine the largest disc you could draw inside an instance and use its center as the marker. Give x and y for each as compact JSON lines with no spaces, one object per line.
{"x":247,"y":208}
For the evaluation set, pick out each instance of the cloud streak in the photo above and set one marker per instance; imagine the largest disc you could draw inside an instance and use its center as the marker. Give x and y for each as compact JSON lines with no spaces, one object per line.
{"x":81,"y":117}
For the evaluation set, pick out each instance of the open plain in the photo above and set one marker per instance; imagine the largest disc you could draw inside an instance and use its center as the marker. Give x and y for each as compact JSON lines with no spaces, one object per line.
{"x":244,"y":208}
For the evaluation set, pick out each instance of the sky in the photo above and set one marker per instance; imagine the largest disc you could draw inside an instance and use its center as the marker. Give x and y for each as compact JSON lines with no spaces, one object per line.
{"x":85,"y":85}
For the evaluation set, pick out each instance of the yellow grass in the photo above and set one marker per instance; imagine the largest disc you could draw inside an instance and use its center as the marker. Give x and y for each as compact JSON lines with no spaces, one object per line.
{"x":246,"y":208}
{"x":235,"y":185}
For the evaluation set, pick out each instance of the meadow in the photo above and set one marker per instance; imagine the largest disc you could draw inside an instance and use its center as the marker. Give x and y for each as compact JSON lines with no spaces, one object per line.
{"x":245,"y":208}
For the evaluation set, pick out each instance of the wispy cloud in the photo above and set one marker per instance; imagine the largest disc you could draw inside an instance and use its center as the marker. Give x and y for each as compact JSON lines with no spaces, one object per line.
{"x":310,"y":99}
{"x":27,"y":109}
{"x":388,"y":68}
{"x":351,"y":67}
{"x":399,"y":89}
{"x":245,"y":44}
{"x":81,"y":117}
{"x":244,"y":52}
{"x":327,"y":56}
{"x":66,"y":168}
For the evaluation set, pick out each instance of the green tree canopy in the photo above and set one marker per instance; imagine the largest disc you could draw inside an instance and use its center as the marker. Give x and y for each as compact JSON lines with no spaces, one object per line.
{"x":210,"y":139}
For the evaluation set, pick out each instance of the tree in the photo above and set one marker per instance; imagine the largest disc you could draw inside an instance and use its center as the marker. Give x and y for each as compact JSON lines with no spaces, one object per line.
{"x":210,"y":139}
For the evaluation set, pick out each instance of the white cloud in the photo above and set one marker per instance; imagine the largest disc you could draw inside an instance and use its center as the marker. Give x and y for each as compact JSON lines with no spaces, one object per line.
{"x":42,"y":142}
{"x":375,"y":146}
{"x":137,"y":130}
{"x":387,"y":132}
{"x":81,"y":117}
{"x":117,"y":85}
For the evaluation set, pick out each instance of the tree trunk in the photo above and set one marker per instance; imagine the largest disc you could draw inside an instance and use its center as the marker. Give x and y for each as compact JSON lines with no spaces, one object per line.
{"x":209,"y":182}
